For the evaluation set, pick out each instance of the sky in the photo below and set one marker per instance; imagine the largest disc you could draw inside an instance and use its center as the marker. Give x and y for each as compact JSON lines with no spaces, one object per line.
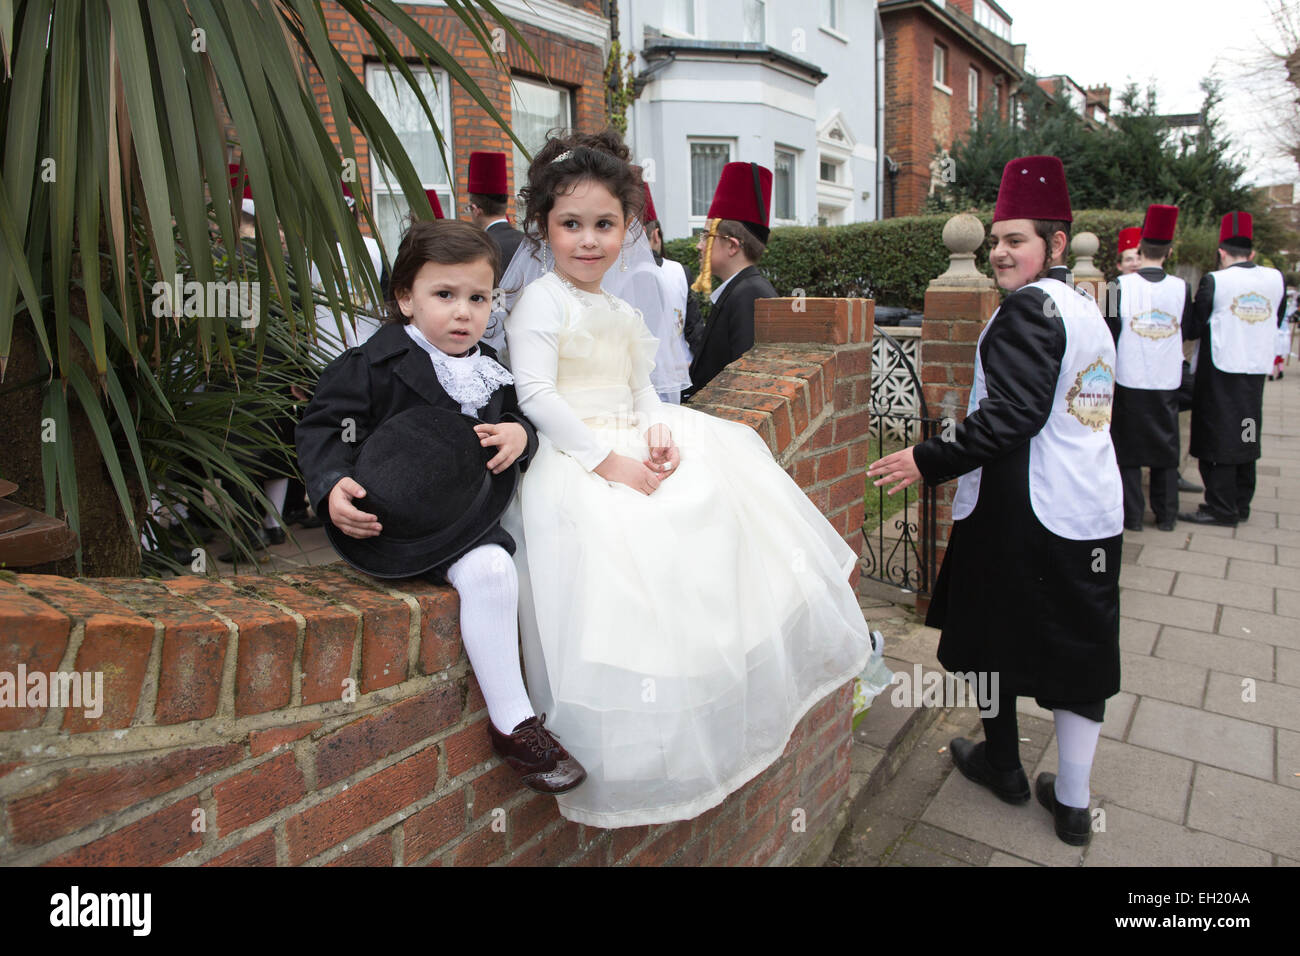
{"x":1173,"y":43}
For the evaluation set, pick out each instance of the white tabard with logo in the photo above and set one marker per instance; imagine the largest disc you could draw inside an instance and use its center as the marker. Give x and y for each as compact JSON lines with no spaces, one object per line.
{"x":1243,"y":324}
{"x":1149,"y":353}
{"x":1074,"y":483}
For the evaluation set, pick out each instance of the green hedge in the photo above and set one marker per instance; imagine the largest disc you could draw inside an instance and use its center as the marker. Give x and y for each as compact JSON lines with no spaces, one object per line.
{"x":893,"y":260}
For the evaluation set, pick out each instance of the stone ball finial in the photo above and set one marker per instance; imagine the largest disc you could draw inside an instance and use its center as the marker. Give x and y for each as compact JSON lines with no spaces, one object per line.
{"x":963,"y":233}
{"x":1085,"y":244}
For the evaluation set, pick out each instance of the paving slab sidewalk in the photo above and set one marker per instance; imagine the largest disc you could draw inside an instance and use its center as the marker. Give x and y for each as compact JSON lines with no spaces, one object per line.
{"x":1199,"y":759}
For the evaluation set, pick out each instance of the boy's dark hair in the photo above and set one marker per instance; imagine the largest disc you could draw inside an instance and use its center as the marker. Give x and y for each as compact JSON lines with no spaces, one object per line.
{"x":1154,"y":250}
{"x":750,"y":246}
{"x":1240,"y":248}
{"x":448,"y":242}
{"x":602,"y":157}
{"x":492,"y":204}
{"x":1045,"y":229}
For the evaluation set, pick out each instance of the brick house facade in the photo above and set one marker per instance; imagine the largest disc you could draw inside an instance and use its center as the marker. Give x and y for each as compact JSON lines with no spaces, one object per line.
{"x":943,"y":68}
{"x":569,"y":37}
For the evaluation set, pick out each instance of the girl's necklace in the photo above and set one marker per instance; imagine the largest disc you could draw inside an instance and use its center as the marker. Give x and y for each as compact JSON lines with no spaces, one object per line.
{"x":610,"y":299}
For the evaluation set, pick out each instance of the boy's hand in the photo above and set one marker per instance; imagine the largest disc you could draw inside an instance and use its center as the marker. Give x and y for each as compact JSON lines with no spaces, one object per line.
{"x":898,"y":470}
{"x":664,"y":453}
{"x":628,"y":471}
{"x":510,"y":440}
{"x":348,"y":519}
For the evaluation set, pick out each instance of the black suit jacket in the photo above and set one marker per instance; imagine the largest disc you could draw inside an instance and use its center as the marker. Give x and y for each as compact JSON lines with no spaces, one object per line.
{"x":369,"y":384}
{"x":507,"y":238}
{"x":729,"y":330}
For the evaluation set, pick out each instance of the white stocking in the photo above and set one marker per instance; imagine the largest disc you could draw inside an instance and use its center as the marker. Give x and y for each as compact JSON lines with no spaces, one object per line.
{"x":488,"y":586}
{"x":1076,"y":739}
{"x":275,"y":489}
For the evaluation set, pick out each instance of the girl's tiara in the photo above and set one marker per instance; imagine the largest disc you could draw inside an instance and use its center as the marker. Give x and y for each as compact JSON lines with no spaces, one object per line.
{"x":563,"y":156}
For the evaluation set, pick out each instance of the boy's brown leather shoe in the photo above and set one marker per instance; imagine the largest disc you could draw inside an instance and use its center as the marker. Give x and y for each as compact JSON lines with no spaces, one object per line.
{"x":533,"y":752}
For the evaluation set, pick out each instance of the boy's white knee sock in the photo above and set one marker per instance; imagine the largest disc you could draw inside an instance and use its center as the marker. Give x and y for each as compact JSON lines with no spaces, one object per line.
{"x":275,"y":489}
{"x":1076,"y":739}
{"x":488,"y":586}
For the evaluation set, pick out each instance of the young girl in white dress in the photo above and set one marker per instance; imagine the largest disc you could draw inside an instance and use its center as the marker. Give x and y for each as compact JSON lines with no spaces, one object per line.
{"x":683,"y":604}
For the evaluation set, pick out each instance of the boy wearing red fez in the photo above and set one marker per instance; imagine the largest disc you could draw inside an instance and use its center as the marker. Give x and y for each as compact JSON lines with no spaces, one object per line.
{"x":732,"y":243}
{"x":1128,"y":249}
{"x":1028,"y":592}
{"x":1236,"y":314}
{"x":1147,"y":318}
{"x":488,"y":196}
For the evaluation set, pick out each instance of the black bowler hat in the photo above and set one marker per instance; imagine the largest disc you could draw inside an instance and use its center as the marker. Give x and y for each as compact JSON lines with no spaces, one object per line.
{"x":426,"y":479}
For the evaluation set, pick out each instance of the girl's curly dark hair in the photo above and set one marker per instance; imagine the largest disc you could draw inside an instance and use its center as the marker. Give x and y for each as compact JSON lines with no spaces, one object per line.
{"x":602,"y":157}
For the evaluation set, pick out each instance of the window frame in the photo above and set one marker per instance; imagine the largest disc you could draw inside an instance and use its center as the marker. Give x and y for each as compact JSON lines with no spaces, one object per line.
{"x":391,"y":188}
{"x":519,"y":170}
{"x":762,"y":23}
{"x":793,"y":153}
{"x":939,"y":66}
{"x":696,"y":223}
{"x":695,"y":26}
{"x":973,"y":91}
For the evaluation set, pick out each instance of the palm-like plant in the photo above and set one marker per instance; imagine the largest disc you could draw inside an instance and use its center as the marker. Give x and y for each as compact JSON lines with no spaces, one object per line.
{"x":119,"y":118}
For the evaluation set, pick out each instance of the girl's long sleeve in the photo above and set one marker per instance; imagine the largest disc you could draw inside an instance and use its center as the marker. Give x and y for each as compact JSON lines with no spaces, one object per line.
{"x":532,"y":335}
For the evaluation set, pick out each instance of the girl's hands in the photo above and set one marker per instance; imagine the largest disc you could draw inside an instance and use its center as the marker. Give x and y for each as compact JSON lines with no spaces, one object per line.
{"x":665,"y":456}
{"x":348,"y":519}
{"x":899,"y":467}
{"x":628,"y":471}
{"x":510,"y":440}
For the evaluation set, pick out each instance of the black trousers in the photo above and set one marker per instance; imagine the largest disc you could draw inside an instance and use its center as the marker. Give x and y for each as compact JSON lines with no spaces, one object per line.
{"x":1228,"y":488}
{"x":1164,"y":494}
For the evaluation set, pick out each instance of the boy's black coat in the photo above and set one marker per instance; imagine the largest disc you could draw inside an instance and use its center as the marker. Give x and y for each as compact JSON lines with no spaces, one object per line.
{"x":386,"y":375}
{"x":729,"y":331}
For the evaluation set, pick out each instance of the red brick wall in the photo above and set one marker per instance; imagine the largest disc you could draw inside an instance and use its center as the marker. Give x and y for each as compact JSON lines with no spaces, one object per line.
{"x":226,"y":739}
{"x":954,"y":319}
{"x":920,"y":118}
{"x":578,"y":67}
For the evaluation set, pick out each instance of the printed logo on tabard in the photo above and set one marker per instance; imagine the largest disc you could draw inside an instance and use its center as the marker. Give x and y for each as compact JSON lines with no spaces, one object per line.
{"x":1090,"y":396}
{"x":1251,"y":307}
{"x":681,"y":320}
{"x":1154,"y":324}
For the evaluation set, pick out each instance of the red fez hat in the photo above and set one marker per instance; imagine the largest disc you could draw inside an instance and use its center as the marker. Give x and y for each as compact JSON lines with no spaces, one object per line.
{"x":432,"y":195}
{"x":487,"y":174}
{"x":1237,"y":229}
{"x":1129,"y":238}
{"x":1159,"y":223}
{"x":350,"y":199}
{"x":649,"y":214}
{"x":744,"y":194}
{"x":245,"y":192}
{"x":1033,"y":187}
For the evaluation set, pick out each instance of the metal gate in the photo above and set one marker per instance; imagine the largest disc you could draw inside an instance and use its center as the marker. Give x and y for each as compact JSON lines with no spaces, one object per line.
{"x":900,"y":549}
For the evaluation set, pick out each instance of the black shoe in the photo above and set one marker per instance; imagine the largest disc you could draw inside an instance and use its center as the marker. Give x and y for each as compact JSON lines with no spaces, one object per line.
{"x":1012,"y":786}
{"x":533,"y":752}
{"x":1073,"y":824}
{"x":266,"y":538}
{"x":1185,"y":485}
{"x":302,"y":519}
{"x":1166,"y":525}
{"x":1132,"y":527}
{"x":1207,"y":517}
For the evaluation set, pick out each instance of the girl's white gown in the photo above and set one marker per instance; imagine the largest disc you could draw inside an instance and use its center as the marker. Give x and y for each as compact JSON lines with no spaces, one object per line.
{"x":673,"y":640}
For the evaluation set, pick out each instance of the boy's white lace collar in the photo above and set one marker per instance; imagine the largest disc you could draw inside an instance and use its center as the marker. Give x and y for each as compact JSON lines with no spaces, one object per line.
{"x":469,"y":379}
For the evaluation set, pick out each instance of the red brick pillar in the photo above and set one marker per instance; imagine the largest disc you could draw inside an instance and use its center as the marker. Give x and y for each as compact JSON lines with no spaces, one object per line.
{"x":957,"y":304}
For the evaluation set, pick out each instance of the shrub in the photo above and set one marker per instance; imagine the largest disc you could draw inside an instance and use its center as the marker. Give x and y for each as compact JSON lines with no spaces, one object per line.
{"x":893,"y":260}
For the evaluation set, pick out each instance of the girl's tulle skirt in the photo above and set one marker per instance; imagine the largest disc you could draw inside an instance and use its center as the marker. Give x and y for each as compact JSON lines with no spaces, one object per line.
{"x":675,"y":640}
